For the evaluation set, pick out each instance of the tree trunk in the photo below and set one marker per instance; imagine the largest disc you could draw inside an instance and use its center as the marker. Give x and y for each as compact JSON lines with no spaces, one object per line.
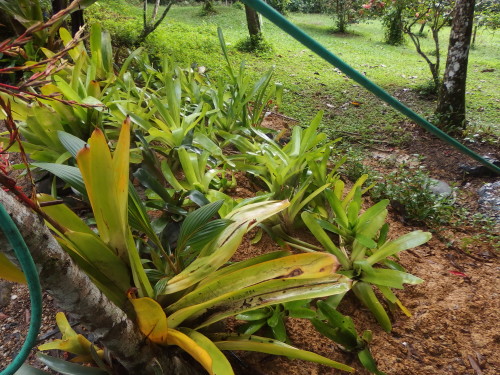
{"x":77,"y":21}
{"x":77,"y":295}
{"x":451,"y":102}
{"x":155,"y":10}
{"x":253,"y":22}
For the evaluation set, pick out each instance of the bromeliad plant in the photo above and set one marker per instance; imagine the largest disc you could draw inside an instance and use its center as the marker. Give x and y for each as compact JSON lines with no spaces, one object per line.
{"x":193,"y":287}
{"x":299,"y":171}
{"x":363,"y":248}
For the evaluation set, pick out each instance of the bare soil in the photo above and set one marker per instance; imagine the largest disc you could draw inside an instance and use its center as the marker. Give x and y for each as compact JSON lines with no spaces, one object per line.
{"x":454,"y":324}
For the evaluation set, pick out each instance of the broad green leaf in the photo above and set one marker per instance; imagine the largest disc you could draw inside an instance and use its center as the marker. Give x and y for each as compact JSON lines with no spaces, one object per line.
{"x":352,"y":192}
{"x":70,"y":142}
{"x":263,"y":294}
{"x":365,"y":294}
{"x":337,"y":319}
{"x":367,"y":223}
{"x":302,"y":312}
{"x":336,"y":205}
{"x":251,"y":327}
{"x":196,"y":219}
{"x":9,"y":271}
{"x":220,"y":364}
{"x":366,"y":359}
{"x":318,"y":232}
{"x":222,"y":249}
{"x":337,"y":334}
{"x":207,"y":233}
{"x":101,"y":257}
{"x":70,"y":175}
{"x":254,"y":315}
{"x":195,"y":350}
{"x":151,"y":319}
{"x":68,"y":368}
{"x":243,"y":264}
{"x":305,"y":266}
{"x":71,"y":341}
{"x":266,"y":345}
{"x":385,"y":277}
{"x":405,"y":242}
{"x":63,"y":215}
{"x":28,"y":370}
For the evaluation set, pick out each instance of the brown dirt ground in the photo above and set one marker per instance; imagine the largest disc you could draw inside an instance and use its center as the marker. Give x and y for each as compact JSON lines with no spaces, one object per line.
{"x":453,"y":329}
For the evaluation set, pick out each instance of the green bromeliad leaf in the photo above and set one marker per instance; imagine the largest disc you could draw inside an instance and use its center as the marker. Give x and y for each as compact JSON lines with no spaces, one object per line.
{"x":222,"y":249}
{"x":270,"y":346}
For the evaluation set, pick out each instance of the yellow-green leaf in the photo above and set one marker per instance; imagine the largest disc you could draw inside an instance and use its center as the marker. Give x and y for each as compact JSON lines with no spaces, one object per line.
{"x":192,"y":348}
{"x":270,"y":346}
{"x":220,"y":364}
{"x":9,"y":271}
{"x":307,"y":265}
{"x":151,"y":319}
{"x":71,"y":341}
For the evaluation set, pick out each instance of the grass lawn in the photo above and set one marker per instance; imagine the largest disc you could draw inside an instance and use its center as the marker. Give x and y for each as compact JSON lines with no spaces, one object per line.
{"x":312,"y":84}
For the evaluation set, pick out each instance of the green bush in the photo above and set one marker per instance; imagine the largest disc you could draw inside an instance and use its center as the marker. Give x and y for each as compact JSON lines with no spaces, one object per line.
{"x":408,"y":189}
{"x":280,"y":5}
{"x":306,"y":6}
{"x":117,"y":18}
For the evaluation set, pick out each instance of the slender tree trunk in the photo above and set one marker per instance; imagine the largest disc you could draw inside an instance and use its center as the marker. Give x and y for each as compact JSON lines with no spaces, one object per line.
{"x":77,"y":21}
{"x":155,"y":10}
{"x":77,"y":295}
{"x":253,"y":22}
{"x":451,"y":102}
{"x":422,"y":27}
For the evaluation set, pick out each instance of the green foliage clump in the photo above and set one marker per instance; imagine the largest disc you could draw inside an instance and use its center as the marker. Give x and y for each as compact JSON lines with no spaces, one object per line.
{"x":116,"y":17}
{"x":408,"y":189}
{"x":280,"y":5}
{"x":306,"y":6}
{"x":393,"y":23}
{"x":256,"y":44}
{"x":183,"y":42}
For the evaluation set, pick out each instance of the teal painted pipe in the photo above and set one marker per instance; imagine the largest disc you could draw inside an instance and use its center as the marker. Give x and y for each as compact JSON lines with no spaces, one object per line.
{"x":28,"y":266}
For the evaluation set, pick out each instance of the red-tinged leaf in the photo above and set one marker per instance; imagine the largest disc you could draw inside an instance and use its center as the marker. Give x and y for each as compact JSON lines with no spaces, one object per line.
{"x":458,"y":273}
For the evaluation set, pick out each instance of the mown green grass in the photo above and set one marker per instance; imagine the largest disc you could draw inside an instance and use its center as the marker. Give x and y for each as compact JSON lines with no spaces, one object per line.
{"x":312,"y":84}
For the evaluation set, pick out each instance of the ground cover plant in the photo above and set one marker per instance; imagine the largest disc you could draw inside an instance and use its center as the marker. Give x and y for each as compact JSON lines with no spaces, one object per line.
{"x":162,"y":256}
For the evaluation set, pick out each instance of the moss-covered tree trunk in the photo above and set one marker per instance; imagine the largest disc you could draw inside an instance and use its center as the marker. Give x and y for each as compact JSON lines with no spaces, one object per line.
{"x":451,"y":102}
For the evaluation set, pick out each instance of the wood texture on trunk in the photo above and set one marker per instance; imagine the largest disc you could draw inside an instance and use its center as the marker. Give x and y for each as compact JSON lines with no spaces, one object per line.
{"x":451,"y":103}
{"x":75,"y":294}
{"x":253,"y":22}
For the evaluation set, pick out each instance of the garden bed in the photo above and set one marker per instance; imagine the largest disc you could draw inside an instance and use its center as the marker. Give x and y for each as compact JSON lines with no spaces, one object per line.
{"x":452,"y":329}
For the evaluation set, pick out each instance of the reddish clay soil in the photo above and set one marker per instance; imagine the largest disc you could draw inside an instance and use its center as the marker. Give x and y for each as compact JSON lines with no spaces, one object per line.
{"x":453,"y":329}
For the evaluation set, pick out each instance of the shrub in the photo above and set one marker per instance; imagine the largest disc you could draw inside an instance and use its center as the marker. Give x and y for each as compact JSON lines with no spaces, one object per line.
{"x":306,"y":6}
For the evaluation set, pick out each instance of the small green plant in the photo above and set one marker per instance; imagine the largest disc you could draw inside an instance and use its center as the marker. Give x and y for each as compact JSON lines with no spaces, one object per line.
{"x":274,"y":318}
{"x":256,"y":44}
{"x":363,"y":248}
{"x":408,"y":189}
{"x":341,"y":329}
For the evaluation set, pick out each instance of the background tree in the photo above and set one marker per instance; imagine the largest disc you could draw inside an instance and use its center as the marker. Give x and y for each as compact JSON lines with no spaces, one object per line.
{"x":208,"y":8}
{"x":451,"y":102}
{"x":486,"y":15}
{"x":435,"y":14}
{"x":344,"y":12}
{"x":150,"y":25}
{"x":393,"y":23}
{"x":280,"y":5}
